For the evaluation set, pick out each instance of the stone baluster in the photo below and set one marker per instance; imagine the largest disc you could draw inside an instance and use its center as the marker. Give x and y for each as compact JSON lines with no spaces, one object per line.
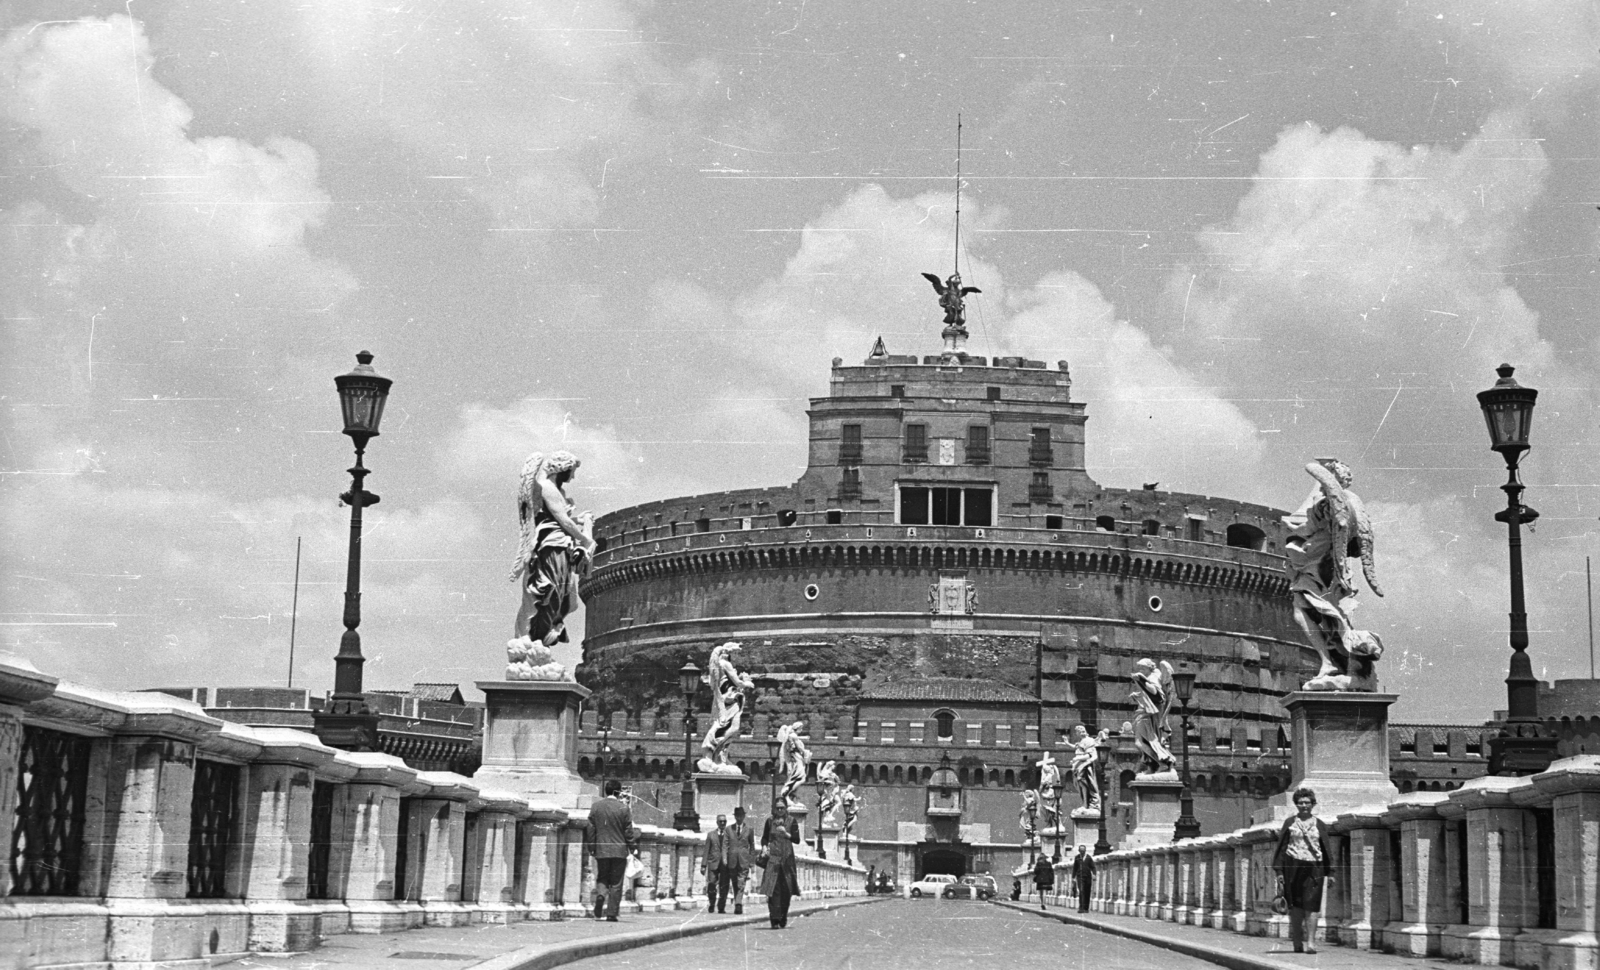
{"x":1236,"y":909}
{"x":1369,"y":878}
{"x":438,"y":836}
{"x":1500,"y":871}
{"x":1423,"y":875}
{"x":365,"y":841}
{"x":496,"y":851}
{"x":1184,"y":870}
{"x":1261,"y":841}
{"x":1336,"y":894}
{"x":276,"y":839}
{"x":1573,"y":787}
{"x":541,"y":869}
{"x":572,"y":901}
{"x":1205,"y":887}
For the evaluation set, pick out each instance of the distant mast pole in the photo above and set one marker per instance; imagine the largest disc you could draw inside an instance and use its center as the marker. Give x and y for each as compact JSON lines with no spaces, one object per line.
{"x":958,"y":195}
{"x":294,"y":610}
{"x":1588,"y":583}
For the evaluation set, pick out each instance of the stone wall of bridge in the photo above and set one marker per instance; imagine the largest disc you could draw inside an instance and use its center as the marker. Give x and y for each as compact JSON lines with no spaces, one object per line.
{"x":146,"y":831}
{"x":1498,"y":871}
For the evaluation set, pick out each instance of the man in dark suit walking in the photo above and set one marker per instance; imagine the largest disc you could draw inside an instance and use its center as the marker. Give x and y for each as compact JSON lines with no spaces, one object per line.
{"x":718,"y":865}
{"x":744,"y":846}
{"x":610,"y":836}
{"x":1083,"y":876}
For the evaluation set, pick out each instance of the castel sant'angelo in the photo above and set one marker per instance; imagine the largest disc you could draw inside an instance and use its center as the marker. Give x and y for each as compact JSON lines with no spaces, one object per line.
{"x":943,"y":592}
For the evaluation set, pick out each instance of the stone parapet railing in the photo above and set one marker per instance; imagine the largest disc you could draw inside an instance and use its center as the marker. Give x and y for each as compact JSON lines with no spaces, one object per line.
{"x":145,"y":831}
{"x":1499,"y":871}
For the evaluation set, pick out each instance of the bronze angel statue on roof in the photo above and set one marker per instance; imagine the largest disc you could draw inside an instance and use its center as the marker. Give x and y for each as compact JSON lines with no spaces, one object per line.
{"x":952,"y":296}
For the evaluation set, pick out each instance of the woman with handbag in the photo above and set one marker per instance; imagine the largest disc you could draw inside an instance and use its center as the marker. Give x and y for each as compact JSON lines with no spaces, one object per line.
{"x":1303,"y":860}
{"x":780,"y":883}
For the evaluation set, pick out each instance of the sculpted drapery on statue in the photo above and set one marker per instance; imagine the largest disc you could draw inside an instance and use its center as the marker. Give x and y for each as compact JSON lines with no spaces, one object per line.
{"x":1085,"y":766}
{"x":555,"y":548}
{"x":727,"y":708}
{"x":1152,"y":697}
{"x":1028,"y":814}
{"x":849,"y":803}
{"x":794,"y":756}
{"x":1049,"y":791}
{"x":827,"y":790}
{"x":1329,"y":530}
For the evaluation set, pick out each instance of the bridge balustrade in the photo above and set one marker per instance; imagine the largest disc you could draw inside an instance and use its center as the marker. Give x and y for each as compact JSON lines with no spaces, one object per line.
{"x":145,"y":831}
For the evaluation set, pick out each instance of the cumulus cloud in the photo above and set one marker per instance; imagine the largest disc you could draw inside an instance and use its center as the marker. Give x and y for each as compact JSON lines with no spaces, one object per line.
{"x":1357,"y":298}
{"x":139,"y":587}
{"x":522,"y":107}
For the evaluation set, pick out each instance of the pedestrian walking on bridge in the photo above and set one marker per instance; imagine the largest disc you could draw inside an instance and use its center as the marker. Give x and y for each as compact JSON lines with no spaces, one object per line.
{"x":1044,"y":877}
{"x":1083,"y":876}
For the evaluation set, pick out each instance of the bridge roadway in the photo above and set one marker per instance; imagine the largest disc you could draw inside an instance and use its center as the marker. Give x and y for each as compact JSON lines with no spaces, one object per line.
{"x":903,"y":934}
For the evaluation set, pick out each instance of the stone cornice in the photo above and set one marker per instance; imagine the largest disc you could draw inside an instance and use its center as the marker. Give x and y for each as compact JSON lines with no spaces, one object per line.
{"x":497,"y":800}
{"x":286,"y":746}
{"x":232,"y":743}
{"x":89,"y":710}
{"x":1569,"y":776}
{"x":21,"y":683}
{"x":373,"y":768}
{"x":447,"y":785}
{"x":1487,"y":792}
{"x":1415,"y":806}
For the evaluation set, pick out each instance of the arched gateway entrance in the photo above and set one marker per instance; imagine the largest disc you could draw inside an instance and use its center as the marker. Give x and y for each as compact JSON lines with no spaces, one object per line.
{"x":941,"y":860}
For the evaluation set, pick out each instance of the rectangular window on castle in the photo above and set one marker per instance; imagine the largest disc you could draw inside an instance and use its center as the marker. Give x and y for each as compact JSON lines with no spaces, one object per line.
{"x":921,"y":505}
{"x":1039,"y":490}
{"x":1039,"y":447}
{"x":978,"y":444}
{"x":916,"y":443}
{"x":850,"y":484}
{"x":850,"y":444}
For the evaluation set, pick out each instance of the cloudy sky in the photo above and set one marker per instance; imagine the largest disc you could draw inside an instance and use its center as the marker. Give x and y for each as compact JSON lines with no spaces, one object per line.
{"x":1259,"y":231}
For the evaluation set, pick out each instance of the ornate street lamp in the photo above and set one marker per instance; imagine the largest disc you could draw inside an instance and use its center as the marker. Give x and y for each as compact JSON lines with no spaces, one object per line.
{"x":1188,"y":826}
{"x":346,"y":721}
{"x":1520,"y":749}
{"x":846,"y":835}
{"x":1033,"y":811}
{"x":772,"y":756}
{"x":1102,"y":844}
{"x":605,"y":752}
{"x":689,"y":681}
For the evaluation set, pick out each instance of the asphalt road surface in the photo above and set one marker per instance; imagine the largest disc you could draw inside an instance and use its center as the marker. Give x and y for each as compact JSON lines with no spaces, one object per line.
{"x":914,"y":934}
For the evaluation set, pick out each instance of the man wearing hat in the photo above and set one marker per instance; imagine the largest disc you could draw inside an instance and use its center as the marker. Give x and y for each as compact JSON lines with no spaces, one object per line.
{"x":742,"y":841}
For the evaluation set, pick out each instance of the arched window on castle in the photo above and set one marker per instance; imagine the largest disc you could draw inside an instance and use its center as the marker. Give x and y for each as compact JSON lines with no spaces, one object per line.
{"x":1244,"y":536}
{"x":947,"y":724}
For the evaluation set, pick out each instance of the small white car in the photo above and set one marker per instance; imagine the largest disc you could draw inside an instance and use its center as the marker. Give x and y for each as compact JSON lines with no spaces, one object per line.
{"x":931,"y":885}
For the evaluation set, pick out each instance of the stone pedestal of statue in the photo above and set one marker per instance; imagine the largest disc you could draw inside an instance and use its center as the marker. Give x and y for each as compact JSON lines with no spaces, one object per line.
{"x":829,"y":830}
{"x":1086,"y":827}
{"x":530,"y":739}
{"x":1339,"y":749}
{"x":1155,"y":809}
{"x":717,"y":793}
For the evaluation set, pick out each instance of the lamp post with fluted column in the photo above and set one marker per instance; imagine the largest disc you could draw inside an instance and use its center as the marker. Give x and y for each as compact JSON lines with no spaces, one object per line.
{"x":772,"y":758}
{"x":689,"y":680}
{"x":1521,"y":747}
{"x":1188,"y":826}
{"x":346,"y":721}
